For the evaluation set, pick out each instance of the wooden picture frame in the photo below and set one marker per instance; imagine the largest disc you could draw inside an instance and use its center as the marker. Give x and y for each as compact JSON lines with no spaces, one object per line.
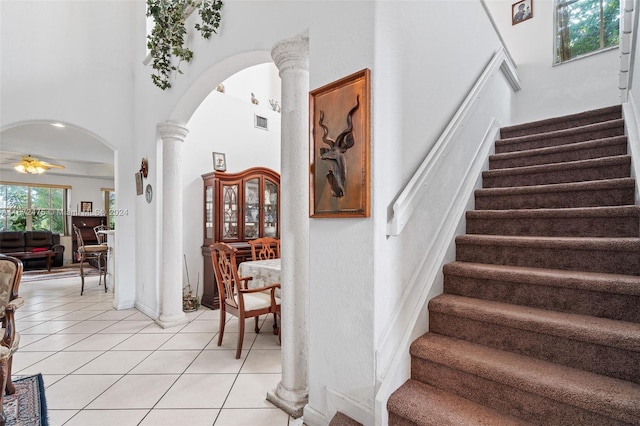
{"x":86,"y":206}
{"x":521,"y":11}
{"x":219,"y":162}
{"x":339,"y":125}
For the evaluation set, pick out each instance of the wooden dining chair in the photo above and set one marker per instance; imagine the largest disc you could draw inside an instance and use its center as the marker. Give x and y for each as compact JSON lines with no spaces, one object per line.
{"x":10,"y":275}
{"x":92,"y":251}
{"x":236,"y":297}
{"x":265,"y":248}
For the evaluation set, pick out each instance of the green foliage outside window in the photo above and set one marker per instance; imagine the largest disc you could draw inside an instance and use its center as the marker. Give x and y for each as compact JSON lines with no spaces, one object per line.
{"x":585,"y":26}
{"x":32,"y":208}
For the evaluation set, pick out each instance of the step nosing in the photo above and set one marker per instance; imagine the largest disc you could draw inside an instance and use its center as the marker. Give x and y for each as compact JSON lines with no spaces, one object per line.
{"x":550,"y":213}
{"x":575,"y":243}
{"x":562,"y":166}
{"x":590,"y":114}
{"x":592,"y":185}
{"x":587,"y":128}
{"x":575,"y":146}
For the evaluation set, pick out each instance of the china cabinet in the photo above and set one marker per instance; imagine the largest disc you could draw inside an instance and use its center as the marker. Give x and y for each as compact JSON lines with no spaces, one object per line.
{"x":238,"y":207}
{"x":85,"y":225}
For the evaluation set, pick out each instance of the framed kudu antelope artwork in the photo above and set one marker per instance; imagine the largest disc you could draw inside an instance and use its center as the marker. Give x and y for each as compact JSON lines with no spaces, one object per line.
{"x":339,"y":147}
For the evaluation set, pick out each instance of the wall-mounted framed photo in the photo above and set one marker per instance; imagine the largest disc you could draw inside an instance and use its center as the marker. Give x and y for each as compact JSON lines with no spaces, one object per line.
{"x":139,"y":189}
{"x":86,"y":206}
{"x":339,"y":147}
{"x":219,"y":162}
{"x":521,"y":11}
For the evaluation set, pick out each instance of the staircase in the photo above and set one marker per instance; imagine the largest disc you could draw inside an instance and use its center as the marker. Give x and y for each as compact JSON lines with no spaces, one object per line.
{"x":539,"y":322}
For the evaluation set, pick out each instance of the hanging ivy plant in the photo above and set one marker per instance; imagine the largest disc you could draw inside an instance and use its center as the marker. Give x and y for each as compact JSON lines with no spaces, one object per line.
{"x":166,"y":42}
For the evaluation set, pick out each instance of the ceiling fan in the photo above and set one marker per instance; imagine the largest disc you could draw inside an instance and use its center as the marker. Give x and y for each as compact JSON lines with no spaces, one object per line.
{"x":29,"y":164}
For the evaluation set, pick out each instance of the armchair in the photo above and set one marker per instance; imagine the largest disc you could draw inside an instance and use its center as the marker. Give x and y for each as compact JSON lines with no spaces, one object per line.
{"x":10,"y":274}
{"x":265,"y":248}
{"x":235,"y":296}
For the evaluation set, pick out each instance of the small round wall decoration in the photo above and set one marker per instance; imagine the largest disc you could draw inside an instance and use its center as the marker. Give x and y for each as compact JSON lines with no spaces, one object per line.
{"x":148,"y":193}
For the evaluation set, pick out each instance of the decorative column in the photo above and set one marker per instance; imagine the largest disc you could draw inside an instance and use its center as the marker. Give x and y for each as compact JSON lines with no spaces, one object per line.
{"x":171,"y":313}
{"x":291,"y":56}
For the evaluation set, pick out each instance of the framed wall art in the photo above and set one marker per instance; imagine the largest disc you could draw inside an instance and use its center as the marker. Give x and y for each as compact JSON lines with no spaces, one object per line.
{"x":339,"y":115}
{"x":219,"y":162}
{"x":86,"y":206}
{"x":139,"y":178}
{"x":521,"y":11}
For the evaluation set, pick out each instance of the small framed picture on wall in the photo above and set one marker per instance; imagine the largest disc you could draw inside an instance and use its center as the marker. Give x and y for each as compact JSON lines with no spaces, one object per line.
{"x":521,"y":11}
{"x":86,"y":206}
{"x":219,"y":162}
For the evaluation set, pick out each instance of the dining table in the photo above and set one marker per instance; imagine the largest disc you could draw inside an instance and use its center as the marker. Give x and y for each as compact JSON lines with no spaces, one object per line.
{"x":264,"y":272}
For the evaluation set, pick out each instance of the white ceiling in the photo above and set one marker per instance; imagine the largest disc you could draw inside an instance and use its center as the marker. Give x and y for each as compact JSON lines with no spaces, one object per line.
{"x":81,"y":153}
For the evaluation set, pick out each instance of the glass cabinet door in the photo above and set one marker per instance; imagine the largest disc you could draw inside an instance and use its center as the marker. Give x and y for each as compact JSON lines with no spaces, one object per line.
{"x":230,"y":211}
{"x":270,"y":209}
{"x":208,"y":212}
{"x":252,"y":208}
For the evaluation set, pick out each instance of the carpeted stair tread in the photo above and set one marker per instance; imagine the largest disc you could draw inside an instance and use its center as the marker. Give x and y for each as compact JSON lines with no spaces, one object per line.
{"x":341,"y":419}
{"x":585,"y":328}
{"x":603,"y":295}
{"x":608,"y":255}
{"x":410,"y":401}
{"x":591,"y":392}
{"x":592,"y":149}
{"x":561,"y":137}
{"x":575,"y":171}
{"x":608,"y":192}
{"x":613,"y":221}
{"x":558,"y":123}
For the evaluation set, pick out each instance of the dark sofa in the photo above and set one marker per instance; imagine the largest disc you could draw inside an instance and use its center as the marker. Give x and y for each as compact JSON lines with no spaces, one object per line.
{"x":16,"y":243}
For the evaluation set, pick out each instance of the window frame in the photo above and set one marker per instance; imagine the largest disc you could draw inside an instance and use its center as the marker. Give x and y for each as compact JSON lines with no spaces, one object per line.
{"x":556,"y":60}
{"x":29,"y":209}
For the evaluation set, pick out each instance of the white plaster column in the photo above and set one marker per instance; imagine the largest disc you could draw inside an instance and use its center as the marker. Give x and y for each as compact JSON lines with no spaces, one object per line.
{"x":291,"y":56}
{"x":171,"y":313}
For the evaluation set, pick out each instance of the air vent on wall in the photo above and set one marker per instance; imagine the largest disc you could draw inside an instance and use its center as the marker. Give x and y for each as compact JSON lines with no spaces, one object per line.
{"x":261,"y":122}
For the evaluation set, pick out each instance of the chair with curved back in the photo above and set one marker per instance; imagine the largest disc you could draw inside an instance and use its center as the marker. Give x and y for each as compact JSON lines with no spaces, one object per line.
{"x":265,"y":248}
{"x":236,"y":297}
{"x":101,"y":236}
{"x":88,"y":252}
{"x":10,"y":275}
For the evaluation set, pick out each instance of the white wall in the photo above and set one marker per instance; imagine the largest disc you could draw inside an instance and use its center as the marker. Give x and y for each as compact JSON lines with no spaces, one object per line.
{"x":224,"y":122}
{"x":548,"y":90}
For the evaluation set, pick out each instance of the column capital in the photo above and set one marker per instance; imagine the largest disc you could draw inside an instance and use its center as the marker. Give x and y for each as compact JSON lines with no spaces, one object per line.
{"x":172,"y":130}
{"x":291,"y":54}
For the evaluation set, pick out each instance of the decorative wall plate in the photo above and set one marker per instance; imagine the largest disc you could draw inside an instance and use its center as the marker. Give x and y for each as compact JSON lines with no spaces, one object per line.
{"x":148,"y":193}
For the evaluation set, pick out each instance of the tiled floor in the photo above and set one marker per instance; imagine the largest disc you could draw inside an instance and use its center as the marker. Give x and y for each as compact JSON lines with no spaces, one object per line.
{"x":106,"y":367}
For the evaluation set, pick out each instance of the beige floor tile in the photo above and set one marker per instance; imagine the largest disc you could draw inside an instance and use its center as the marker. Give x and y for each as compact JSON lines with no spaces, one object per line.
{"x":26,"y":359}
{"x":45,"y":315}
{"x":137,"y":316}
{"x":50,"y":379}
{"x":88,"y":327}
{"x":79,"y":315}
{"x":200,"y":326}
{"x":266,"y":340}
{"x":188,"y":341}
{"x":115,"y":417}
{"x":76,"y":391}
{"x":220,"y":361}
{"x":143,"y":342}
{"x":49,"y":327}
{"x":27,"y":339}
{"x":59,"y":417}
{"x":134,"y":391}
{"x":250,"y":391}
{"x":99,"y":342}
{"x":187,"y":392}
{"x":115,"y":315}
{"x":263,"y":361}
{"x":24,"y":325}
{"x":173,"y":417}
{"x":154,"y":328}
{"x":166,"y":362}
{"x":127,"y":326}
{"x":100,"y":306}
{"x":208,"y":314}
{"x":114,"y":362}
{"x":230,"y":341}
{"x":61,"y":362}
{"x":252,"y":417}
{"x":54,"y":342}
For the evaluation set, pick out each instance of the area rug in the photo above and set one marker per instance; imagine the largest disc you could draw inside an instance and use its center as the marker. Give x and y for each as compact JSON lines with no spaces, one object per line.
{"x":55,"y":273}
{"x":28,"y":406}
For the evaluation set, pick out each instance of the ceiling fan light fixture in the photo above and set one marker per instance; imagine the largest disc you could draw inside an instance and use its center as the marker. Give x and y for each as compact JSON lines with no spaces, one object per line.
{"x":32,"y":165}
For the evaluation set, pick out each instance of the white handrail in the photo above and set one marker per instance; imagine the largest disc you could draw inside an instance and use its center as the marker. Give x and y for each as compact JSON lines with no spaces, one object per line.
{"x":405,"y":204}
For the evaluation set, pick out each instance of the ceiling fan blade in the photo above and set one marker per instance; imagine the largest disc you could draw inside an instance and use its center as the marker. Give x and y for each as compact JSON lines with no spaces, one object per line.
{"x":49,"y":165}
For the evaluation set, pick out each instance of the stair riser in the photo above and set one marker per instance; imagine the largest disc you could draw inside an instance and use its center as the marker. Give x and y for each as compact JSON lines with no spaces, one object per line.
{"x":547,"y":141}
{"x":563,"y":176}
{"x":589,"y":153}
{"x":620,"y":307}
{"x":561,"y":124}
{"x":620,"y":196}
{"x":568,"y":258}
{"x":506,"y":399}
{"x":618,"y":227}
{"x":599,"y":359}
